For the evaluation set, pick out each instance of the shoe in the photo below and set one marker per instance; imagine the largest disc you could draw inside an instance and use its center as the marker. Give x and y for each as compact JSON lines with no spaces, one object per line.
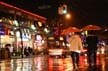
{"x":94,"y":67}
{"x":73,"y":67}
{"x":89,"y":67}
{"x":77,"y":68}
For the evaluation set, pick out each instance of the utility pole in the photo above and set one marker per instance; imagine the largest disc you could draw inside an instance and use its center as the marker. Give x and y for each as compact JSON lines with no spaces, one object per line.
{"x":62,"y":10}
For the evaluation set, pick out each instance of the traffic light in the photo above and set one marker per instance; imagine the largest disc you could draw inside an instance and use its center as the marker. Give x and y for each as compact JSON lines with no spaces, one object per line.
{"x":62,"y":9}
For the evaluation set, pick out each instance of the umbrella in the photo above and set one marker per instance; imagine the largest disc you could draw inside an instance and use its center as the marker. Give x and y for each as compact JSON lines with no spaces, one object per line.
{"x":91,"y":27}
{"x":70,"y":30}
{"x":104,"y":33}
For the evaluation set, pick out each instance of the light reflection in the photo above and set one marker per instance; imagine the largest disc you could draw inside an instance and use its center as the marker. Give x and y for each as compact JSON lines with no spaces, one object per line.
{"x":56,"y":64}
{"x":47,"y":64}
{"x":103,"y":64}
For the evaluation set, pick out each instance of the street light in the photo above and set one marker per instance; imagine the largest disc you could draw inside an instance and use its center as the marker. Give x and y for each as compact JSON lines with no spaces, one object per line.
{"x":62,"y":9}
{"x":68,"y":16}
{"x":62,"y":15}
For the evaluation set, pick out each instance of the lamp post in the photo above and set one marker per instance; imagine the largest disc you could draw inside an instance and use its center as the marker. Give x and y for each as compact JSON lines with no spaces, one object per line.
{"x":18,"y":34}
{"x":0,"y":48}
{"x":62,"y":15}
{"x":22,"y":48}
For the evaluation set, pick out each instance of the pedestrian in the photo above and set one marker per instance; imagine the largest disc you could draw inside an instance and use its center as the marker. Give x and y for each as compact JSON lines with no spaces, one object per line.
{"x":30,"y":50}
{"x":26,"y":52}
{"x":7,"y":51}
{"x":92,"y":42}
{"x":75,"y":48}
{"x":11,"y":50}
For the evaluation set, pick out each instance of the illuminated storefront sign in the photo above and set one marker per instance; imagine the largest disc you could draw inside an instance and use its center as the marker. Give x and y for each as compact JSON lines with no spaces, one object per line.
{"x":38,"y":37}
{"x":26,"y":36}
{"x":39,"y":40}
{"x":2,"y":32}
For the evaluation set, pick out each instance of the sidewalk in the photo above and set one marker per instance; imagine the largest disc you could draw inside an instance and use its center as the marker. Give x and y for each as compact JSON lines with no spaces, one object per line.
{"x":18,"y":57}
{"x":30,"y":56}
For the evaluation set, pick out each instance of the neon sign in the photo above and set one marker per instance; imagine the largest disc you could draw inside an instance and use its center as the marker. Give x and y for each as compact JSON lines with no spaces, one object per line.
{"x":2,"y":32}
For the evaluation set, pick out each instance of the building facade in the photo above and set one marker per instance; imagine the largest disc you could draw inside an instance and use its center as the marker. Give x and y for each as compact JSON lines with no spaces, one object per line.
{"x":20,"y":28}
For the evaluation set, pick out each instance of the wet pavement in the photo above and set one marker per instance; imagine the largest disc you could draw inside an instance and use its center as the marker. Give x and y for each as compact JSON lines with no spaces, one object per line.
{"x":46,"y":63}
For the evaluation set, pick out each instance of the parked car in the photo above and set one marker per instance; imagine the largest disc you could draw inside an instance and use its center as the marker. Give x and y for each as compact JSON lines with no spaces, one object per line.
{"x":58,"y":52}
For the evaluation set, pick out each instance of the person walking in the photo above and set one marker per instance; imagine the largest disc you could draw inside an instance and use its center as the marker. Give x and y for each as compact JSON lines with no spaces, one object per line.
{"x":75,"y":48}
{"x":92,"y":42}
{"x":7,"y":51}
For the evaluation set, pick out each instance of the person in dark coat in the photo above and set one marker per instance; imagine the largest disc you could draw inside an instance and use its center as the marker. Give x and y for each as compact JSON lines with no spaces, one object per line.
{"x":30,"y":50}
{"x":26,"y":52}
{"x":92,"y":42}
{"x":7,"y":51}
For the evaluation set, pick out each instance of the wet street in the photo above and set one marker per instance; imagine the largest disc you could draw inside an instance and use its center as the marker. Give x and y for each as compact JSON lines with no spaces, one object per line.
{"x":46,"y":63}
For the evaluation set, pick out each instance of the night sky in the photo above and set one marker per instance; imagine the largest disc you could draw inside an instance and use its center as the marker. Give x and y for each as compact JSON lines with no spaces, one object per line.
{"x":84,"y":11}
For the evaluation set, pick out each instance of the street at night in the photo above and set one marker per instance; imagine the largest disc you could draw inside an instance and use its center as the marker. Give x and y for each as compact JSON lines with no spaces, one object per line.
{"x":46,"y":63}
{"x":54,"y":35}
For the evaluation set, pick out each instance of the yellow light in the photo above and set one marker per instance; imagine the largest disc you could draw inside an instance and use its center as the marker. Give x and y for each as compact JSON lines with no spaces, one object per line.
{"x":1,"y":20}
{"x":40,"y":24}
{"x":86,"y":32}
{"x":11,"y":22}
{"x":61,"y":38}
{"x":51,"y":38}
{"x":68,"y":15}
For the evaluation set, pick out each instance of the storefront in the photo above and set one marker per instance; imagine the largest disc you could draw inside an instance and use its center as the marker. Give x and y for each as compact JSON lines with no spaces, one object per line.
{"x":40,"y":43}
{"x":25,"y":37}
{"x":20,"y":27}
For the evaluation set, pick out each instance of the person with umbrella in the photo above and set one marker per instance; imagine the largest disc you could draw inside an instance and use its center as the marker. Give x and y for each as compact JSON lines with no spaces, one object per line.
{"x":92,"y":42}
{"x":75,"y":47}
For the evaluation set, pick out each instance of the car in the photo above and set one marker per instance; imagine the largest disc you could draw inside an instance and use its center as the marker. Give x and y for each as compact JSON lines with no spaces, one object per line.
{"x":58,"y":52}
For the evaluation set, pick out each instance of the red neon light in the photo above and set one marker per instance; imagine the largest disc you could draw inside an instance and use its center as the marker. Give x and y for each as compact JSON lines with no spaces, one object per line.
{"x":24,"y":11}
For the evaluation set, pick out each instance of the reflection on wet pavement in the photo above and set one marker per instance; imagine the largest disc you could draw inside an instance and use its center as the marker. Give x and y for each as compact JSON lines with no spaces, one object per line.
{"x":45,"y":63}
{"x":26,"y":64}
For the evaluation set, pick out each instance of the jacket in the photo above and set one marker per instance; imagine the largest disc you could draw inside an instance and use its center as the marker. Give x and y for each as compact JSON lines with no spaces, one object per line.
{"x":75,"y":43}
{"x":92,"y":42}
